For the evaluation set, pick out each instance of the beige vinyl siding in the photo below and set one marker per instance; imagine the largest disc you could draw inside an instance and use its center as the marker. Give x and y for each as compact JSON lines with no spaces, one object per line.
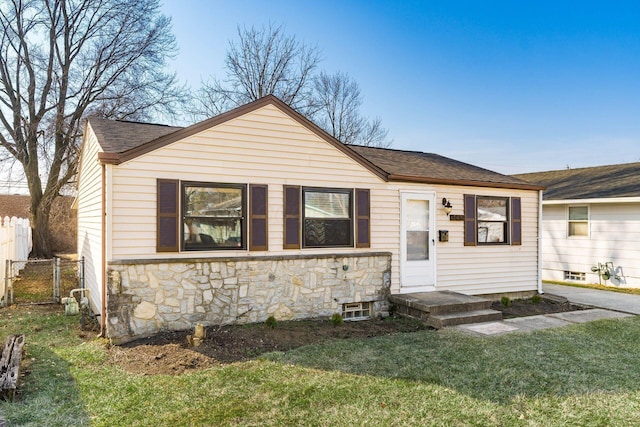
{"x":268,"y":147}
{"x":89,"y":213}
{"x":614,"y":236}
{"x":489,"y":268}
{"x":263,"y":147}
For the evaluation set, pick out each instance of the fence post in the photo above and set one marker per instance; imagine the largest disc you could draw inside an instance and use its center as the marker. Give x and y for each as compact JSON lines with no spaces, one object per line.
{"x":10,"y":276}
{"x":7,"y":263}
{"x":56,"y":279}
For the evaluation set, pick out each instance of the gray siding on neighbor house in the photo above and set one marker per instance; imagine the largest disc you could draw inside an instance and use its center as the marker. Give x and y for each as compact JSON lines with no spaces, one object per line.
{"x":614,"y":236}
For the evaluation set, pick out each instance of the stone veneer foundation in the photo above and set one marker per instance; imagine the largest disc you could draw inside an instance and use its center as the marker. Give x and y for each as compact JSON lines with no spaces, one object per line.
{"x":148,"y":296}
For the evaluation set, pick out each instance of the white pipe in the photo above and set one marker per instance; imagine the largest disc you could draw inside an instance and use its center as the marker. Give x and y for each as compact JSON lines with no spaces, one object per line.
{"x":83,"y":290}
{"x":540,"y":291}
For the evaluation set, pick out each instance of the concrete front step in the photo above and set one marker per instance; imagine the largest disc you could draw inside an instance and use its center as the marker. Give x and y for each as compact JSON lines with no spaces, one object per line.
{"x":440,"y":302}
{"x":439,"y":321}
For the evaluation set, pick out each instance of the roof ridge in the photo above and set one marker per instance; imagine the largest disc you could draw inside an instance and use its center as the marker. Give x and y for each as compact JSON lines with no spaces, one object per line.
{"x":580,"y":169}
{"x":393,"y":149}
{"x":135,"y":122}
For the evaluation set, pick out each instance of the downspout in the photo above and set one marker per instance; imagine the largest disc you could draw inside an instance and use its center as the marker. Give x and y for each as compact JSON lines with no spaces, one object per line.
{"x":540,"y":291}
{"x":103,"y":293}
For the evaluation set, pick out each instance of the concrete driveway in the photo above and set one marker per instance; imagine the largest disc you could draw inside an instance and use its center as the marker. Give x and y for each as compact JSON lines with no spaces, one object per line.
{"x":616,"y":301}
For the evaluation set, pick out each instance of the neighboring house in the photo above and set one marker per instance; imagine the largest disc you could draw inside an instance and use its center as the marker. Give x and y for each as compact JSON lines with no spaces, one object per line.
{"x":62,"y":223}
{"x":591,"y":224}
{"x":258,"y":212}
{"x":15,"y":205}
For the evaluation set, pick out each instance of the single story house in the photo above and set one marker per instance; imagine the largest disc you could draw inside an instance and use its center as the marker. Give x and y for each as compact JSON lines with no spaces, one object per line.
{"x":258,"y":212}
{"x":591,"y":224}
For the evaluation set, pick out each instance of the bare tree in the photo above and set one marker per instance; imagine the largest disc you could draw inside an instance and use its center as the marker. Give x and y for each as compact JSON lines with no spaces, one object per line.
{"x":264,"y":62}
{"x":338,"y":101}
{"x":61,"y":60}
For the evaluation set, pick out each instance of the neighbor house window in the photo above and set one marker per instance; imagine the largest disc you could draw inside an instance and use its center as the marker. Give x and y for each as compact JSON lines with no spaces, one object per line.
{"x":575,"y":276}
{"x":213,"y":216}
{"x":493,"y":220}
{"x":578,"y":223}
{"x":327,"y":217}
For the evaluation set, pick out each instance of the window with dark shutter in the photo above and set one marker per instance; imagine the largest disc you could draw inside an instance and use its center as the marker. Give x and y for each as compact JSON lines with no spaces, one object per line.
{"x":469,"y":220}
{"x":167,"y":219}
{"x":214,"y":216}
{"x":363,"y":218}
{"x":258,"y":232}
{"x":516,"y":221}
{"x":291,"y":217}
{"x":327,"y":217}
{"x":492,"y":220}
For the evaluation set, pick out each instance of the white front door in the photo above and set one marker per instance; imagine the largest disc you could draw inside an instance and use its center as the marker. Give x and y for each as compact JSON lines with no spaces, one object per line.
{"x":417,"y":242}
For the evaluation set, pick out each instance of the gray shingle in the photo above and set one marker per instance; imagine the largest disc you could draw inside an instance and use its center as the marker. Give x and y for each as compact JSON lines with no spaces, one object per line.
{"x":430,"y":166}
{"x":117,"y":136}
{"x":621,"y":180}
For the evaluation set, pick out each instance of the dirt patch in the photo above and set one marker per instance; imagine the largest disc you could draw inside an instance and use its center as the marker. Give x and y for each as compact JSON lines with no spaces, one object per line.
{"x":527,"y":307}
{"x":168,"y":352}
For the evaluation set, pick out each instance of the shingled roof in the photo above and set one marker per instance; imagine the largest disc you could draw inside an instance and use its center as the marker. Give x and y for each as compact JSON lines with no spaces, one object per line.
{"x":588,"y":183}
{"x":14,"y":205}
{"x":122,"y":141}
{"x":432,"y":168}
{"x":118,"y":136}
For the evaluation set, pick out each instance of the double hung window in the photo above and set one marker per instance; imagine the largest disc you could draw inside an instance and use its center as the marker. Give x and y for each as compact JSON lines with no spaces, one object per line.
{"x":490,"y":220}
{"x":328,"y":217}
{"x":493,"y":220}
{"x":578,"y":221}
{"x":213,"y":216}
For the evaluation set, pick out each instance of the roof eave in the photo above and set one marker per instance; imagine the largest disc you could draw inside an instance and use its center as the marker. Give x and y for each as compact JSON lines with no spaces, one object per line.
{"x":117,"y":158}
{"x":592,"y":201}
{"x":463,"y":182}
{"x":109,"y":158}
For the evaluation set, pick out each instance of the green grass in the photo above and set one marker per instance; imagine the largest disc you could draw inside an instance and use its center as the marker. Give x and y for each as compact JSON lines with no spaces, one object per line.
{"x":585,"y":375}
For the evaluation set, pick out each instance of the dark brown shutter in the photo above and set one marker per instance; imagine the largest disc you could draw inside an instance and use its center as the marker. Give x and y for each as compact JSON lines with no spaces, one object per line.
{"x":258,"y":230}
{"x":363,"y":218}
{"x":470,"y":220}
{"x":168,"y":216}
{"x":291,"y":217}
{"x":516,"y":221}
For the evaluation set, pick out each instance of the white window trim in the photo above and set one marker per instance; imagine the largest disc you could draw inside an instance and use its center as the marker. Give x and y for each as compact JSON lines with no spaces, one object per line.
{"x":588,"y":236}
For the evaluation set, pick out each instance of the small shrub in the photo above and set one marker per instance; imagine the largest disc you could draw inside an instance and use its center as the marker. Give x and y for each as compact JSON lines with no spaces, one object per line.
{"x":536,"y":299}
{"x":271,"y":322}
{"x":336,"y":319}
{"x":506,"y":301}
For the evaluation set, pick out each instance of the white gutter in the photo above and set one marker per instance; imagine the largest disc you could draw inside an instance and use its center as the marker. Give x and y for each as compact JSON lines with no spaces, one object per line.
{"x":598,"y":200}
{"x":540,"y":291}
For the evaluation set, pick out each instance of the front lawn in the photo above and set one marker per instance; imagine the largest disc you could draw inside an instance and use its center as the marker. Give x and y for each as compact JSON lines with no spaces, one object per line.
{"x":578,"y":375}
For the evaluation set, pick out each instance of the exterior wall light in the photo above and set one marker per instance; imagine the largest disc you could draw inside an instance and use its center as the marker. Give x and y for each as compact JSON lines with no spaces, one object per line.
{"x":447,"y":206}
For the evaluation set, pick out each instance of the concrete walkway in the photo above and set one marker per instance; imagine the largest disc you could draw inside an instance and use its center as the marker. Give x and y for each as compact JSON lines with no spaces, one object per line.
{"x":606,"y":305}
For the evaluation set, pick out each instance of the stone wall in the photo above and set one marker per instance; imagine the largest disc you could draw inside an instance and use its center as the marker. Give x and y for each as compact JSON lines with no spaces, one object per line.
{"x":148,"y":296}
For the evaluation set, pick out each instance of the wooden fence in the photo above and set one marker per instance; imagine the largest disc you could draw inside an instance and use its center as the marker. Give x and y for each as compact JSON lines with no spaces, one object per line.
{"x":15,"y":245}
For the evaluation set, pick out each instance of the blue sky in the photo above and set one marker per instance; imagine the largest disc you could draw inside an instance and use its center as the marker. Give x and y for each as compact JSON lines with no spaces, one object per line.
{"x":510,"y":86}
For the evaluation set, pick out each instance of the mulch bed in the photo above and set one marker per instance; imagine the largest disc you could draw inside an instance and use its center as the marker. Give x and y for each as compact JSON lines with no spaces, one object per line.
{"x":526,"y":307}
{"x":169,"y":353}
